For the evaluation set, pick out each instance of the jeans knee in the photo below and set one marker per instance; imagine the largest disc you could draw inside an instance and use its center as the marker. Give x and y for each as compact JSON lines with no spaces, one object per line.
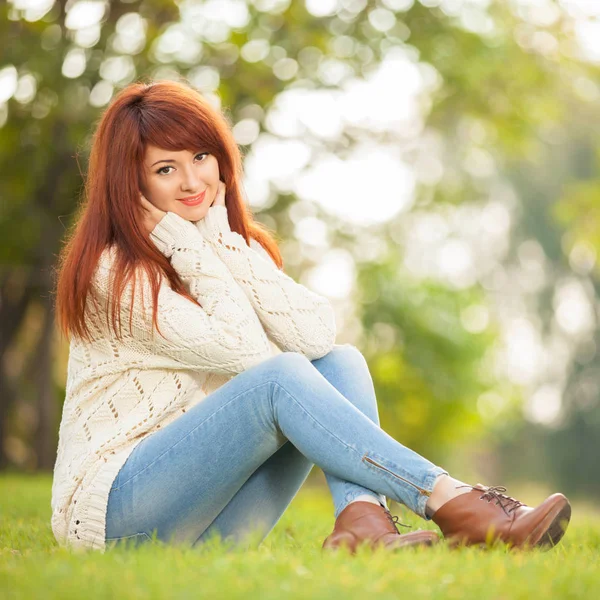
{"x":290,"y":358}
{"x":346,"y":354}
{"x":287,"y":362}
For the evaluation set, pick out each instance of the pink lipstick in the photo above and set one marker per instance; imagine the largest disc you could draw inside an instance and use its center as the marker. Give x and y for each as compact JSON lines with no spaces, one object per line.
{"x":193,"y":200}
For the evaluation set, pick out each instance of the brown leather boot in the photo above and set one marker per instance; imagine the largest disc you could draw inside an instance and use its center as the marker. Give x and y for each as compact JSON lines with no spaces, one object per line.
{"x":484,"y":515}
{"x":366,"y":522}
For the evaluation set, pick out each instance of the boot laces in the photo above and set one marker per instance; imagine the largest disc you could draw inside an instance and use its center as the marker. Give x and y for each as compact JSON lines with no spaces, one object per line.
{"x":394,"y":520}
{"x":493,"y":492}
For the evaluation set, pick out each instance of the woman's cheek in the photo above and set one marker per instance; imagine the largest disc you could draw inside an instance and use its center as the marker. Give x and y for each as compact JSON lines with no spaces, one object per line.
{"x":166,"y":196}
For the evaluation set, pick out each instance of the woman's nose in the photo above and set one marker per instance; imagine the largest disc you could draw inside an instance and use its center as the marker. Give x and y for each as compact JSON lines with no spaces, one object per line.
{"x":190,"y":181}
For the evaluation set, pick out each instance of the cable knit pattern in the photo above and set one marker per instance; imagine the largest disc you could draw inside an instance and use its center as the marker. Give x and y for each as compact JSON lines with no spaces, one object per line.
{"x":296,"y":318}
{"x":121,"y":391}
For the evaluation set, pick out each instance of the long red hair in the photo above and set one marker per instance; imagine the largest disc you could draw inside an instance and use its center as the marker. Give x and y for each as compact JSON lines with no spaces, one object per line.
{"x":170,"y":115}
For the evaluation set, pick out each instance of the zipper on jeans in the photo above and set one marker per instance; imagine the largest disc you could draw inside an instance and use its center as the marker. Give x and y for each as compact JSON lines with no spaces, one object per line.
{"x":421,"y":490}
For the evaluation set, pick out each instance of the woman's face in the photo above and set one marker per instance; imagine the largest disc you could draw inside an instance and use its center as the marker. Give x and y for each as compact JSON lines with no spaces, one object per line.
{"x":174,"y":176}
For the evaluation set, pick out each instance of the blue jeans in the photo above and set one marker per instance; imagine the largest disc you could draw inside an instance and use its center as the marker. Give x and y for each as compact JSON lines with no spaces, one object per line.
{"x":232,"y":463}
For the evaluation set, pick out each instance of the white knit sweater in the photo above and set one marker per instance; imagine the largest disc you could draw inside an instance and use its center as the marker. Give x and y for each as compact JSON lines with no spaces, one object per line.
{"x":119,"y":392}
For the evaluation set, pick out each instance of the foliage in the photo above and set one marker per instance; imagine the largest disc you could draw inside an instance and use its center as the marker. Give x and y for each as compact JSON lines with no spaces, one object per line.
{"x":429,"y":374}
{"x":495,"y":92}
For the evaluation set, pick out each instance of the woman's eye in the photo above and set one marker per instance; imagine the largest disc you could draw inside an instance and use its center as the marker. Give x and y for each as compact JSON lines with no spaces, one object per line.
{"x":162,"y":171}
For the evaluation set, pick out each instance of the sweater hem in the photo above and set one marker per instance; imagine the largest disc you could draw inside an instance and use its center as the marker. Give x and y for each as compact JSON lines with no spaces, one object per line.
{"x":93,"y":535}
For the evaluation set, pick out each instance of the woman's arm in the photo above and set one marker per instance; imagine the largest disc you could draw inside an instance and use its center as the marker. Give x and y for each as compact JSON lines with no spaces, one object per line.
{"x":293,"y":316}
{"x":223,"y":336}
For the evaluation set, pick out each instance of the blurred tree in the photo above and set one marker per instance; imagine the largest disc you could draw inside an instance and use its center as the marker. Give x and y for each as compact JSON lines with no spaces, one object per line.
{"x":491,"y":77}
{"x":561,"y":200}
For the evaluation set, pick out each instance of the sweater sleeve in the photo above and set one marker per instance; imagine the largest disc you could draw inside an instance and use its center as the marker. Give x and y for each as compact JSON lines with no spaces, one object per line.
{"x":296,"y":318}
{"x":223,"y":335}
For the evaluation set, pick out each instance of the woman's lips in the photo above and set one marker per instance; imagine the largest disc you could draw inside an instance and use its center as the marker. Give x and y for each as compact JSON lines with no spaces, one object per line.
{"x":194,"y":200}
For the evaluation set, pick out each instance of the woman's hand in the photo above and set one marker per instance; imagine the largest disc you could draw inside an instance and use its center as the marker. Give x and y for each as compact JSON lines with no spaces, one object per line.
{"x":152,"y":214}
{"x":220,"y":198}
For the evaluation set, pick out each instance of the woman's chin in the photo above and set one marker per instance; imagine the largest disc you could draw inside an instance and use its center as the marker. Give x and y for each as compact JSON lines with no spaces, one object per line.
{"x":192,"y":213}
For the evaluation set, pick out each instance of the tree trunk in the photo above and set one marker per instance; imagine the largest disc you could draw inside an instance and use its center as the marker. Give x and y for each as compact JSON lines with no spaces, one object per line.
{"x":13,"y":306}
{"x":45,"y":442}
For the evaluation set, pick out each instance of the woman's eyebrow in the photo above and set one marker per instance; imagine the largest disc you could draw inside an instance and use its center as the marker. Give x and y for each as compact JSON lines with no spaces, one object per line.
{"x":167,"y":160}
{"x":171,"y":159}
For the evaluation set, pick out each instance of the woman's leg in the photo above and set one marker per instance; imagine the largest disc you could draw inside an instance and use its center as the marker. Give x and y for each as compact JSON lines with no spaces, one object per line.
{"x":258,"y":505}
{"x":180,"y":478}
{"x":347,"y":370}
{"x":264,"y":497}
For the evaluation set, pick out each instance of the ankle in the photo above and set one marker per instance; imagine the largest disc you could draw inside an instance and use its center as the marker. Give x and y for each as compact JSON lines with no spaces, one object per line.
{"x":445,"y":488}
{"x":366,"y":498}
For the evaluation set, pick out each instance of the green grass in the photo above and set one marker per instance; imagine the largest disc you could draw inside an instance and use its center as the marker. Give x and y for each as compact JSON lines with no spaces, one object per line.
{"x":288,"y":564}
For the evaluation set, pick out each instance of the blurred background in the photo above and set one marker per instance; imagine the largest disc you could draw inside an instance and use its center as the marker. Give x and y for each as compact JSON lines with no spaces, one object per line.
{"x":431,"y":166}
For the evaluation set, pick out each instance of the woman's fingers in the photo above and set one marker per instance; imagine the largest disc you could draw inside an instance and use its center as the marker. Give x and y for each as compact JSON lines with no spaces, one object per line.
{"x":152,"y":214}
{"x":220,"y":198}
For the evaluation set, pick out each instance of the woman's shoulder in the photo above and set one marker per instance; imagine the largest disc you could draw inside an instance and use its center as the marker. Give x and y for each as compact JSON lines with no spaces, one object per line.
{"x":137,"y":282}
{"x":107,"y":257}
{"x":255,"y":245}
{"x":107,"y":261}
{"x":105,"y":267}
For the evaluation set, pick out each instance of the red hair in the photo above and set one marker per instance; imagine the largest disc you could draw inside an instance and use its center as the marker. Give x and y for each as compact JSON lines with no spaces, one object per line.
{"x":170,"y":115}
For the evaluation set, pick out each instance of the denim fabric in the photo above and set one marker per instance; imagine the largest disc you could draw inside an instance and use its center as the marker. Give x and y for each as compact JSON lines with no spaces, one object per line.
{"x":232,"y":464}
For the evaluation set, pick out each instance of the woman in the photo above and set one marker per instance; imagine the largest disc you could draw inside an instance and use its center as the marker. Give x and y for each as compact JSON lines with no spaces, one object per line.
{"x":204,"y":415}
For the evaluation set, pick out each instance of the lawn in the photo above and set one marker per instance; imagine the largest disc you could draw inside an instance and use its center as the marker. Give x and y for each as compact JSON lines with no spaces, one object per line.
{"x":288,"y":564}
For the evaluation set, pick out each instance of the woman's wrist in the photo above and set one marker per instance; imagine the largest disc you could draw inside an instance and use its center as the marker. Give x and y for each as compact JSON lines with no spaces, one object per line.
{"x":214,"y":222}
{"x":171,"y":230}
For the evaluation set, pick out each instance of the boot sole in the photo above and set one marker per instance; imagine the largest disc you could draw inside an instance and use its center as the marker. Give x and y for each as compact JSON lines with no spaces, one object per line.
{"x":557,"y":528}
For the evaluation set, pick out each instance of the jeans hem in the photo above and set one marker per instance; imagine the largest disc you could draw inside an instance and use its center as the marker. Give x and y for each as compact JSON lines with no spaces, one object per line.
{"x":352,"y":495}
{"x":428,"y":483}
